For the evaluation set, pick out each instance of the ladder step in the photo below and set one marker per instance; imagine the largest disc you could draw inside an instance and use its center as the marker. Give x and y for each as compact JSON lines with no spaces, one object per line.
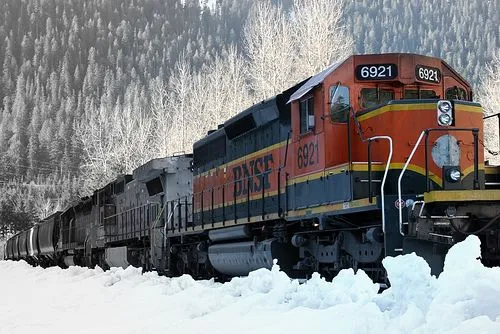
{"x":441,"y":235}
{"x":441,"y":224}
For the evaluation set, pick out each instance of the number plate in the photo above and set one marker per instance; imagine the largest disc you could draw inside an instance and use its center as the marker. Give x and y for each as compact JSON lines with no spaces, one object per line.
{"x":428,"y":74}
{"x":376,"y":72}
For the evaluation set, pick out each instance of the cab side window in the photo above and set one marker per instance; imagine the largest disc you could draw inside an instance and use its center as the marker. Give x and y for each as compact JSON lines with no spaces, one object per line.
{"x":339,"y":104}
{"x":456,"y":93}
{"x":306,"y":107}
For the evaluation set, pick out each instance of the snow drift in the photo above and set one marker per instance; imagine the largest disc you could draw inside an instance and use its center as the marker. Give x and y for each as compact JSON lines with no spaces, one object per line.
{"x":465,"y":298}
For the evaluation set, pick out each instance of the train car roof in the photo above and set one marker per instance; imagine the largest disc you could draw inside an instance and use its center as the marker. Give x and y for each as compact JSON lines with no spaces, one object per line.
{"x":51,"y":216}
{"x":209,"y":138}
{"x":264,"y":111}
{"x":155,"y":167}
{"x":80,"y":203}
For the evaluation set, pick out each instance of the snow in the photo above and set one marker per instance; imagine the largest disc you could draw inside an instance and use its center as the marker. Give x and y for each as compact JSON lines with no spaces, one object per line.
{"x":465,"y":298}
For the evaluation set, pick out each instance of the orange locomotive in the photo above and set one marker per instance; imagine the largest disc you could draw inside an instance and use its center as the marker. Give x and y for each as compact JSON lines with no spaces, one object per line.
{"x":378,"y":155}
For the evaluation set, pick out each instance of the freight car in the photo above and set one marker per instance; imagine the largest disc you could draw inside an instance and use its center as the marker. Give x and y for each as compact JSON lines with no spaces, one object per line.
{"x":376,"y":156}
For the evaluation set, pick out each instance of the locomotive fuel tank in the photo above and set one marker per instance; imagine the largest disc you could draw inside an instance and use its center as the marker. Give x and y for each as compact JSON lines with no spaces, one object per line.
{"x":123,"y":256}
{"x":240,"y":258}
{"x":229,"y":233}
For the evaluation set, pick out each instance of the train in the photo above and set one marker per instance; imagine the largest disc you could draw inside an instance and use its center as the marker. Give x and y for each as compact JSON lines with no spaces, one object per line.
{"x":378,"y":155}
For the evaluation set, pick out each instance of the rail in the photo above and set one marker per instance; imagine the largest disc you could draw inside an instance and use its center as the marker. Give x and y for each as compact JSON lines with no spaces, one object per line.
{"x":242,"y":193}
{"x":169,"y":220}
{"x":426,"y":133}
{"x":130,"y":223}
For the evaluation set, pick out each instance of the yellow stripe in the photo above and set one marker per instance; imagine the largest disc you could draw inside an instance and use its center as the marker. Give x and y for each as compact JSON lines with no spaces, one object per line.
{"x":316,"y":175}
{"x":491,"y":170}
{"x":468,"y":108}
{"x":241,"y":200}
{"x":337,"y":169}
{"x":359,"y":203}
{"x":470,"y":169}
{"x":397,"y":165}
{"x":227,"y":223}
{"x":364,"y":167}
{"x":416,"y":106}
{"x":462,"y":196}
{"x":307,"y":177}
{"x":396,"y":107}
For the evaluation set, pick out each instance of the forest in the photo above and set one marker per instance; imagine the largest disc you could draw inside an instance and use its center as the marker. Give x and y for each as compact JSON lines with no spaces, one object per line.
{"x":92,"y":89}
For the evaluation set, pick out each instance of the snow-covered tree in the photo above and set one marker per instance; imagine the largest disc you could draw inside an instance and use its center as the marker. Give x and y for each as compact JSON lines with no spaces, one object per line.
{"x":489,"y":96}
{"x":489,"y":93}
{"x":320,"y":37}
{"x":284,"y":48}
{"x":269,"y":46}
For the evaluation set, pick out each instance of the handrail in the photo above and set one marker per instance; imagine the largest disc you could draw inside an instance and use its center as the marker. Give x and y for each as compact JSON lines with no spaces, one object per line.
{"x":387,"y":165}
{"x":128,"y":210}
{"x":400,"y":207}
{"x":171,"y":215}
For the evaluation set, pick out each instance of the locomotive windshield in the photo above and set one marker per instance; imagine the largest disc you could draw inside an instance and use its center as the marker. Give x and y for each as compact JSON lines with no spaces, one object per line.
{"x":420,"y":94}
{"x":372,"y":97}
{"x":456,"y":93}
{"x":339,"y":103}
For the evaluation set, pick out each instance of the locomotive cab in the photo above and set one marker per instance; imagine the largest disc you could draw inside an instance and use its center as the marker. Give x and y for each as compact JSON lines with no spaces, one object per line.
{"x":397,"y":132}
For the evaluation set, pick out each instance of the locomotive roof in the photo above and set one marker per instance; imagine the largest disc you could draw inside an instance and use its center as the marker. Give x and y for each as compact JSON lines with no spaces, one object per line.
{"x":320,"y":77}
{"x":155,"y":167}
{"x":265,"y":109}
{"x":260,"y":113}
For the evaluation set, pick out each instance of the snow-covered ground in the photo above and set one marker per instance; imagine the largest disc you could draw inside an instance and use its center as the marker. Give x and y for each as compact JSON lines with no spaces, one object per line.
{"x":464,"y":299}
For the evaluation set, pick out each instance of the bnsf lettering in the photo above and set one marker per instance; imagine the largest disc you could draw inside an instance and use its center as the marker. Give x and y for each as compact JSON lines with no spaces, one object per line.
{"x":253,"y":175}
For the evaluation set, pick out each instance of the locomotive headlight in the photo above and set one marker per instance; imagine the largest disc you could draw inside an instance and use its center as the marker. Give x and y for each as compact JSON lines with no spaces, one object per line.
{"x":454,"y":175}
{"x":444,"y":119}
{"x":444,"y":113}
{"x":444,"y":106}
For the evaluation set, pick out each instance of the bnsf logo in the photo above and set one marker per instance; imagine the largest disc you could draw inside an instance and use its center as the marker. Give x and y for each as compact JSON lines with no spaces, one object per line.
{"x":253,"y":175}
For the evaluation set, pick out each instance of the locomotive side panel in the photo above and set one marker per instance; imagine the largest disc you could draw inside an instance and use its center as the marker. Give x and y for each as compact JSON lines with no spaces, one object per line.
{"x":246,"y":183}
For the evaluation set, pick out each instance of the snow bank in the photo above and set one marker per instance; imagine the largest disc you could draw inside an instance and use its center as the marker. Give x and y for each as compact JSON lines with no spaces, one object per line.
{"x":466,"y":297}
